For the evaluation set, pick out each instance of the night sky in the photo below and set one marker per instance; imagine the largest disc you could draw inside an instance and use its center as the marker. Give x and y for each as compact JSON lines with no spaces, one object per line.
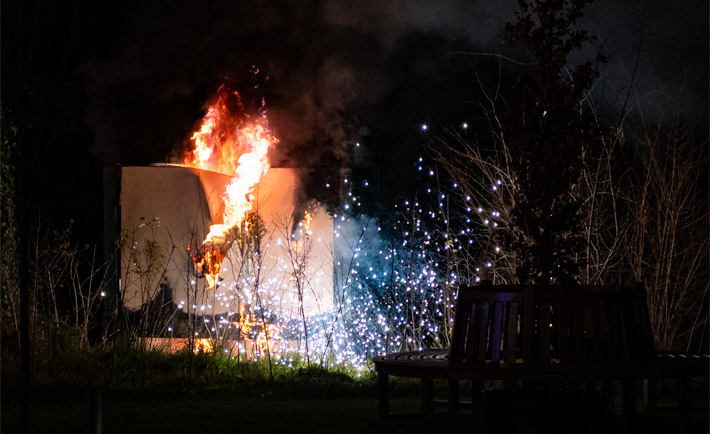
{"x":92,"y":84}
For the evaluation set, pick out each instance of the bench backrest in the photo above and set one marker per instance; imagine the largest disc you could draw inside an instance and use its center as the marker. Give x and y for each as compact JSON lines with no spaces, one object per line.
{"x":551,"y":324}
{"x":487,"y":323}
{"x":600,"y":324}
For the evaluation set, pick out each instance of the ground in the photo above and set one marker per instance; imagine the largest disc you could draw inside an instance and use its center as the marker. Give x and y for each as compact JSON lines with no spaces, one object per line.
{"x":64,"y":410}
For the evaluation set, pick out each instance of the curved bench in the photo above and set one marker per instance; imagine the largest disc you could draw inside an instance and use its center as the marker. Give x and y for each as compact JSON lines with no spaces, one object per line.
{"x":483,"y":314}
{"x":518,"y":333}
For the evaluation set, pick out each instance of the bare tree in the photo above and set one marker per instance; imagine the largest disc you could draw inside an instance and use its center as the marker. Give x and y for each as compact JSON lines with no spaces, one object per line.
{"x":298,"y":248}
{"x":144,"y":269}
{"x":484,"y":178}
{"x":87,"y":277}
{"x":641,"y":196}
{"x":9,"y":235}
{"x":669,"y":237}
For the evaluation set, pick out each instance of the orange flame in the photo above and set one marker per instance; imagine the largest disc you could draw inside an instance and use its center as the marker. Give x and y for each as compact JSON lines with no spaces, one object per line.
{"x":300,"y":243}
{"x":267,"y":334}
{"x":229,"y":142}
{"x":307,"y":221}
{"x":202,"y":345}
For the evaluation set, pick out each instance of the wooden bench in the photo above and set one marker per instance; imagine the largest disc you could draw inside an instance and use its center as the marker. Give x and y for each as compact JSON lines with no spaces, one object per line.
{"x":520,"y":334}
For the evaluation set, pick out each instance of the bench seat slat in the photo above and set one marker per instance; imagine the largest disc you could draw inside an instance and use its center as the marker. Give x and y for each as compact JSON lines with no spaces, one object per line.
{"x":512,"y":332}
{"x":497,"y":330}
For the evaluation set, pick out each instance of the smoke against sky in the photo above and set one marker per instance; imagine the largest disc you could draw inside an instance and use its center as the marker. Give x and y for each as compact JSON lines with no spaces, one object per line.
{"x":670,"y":42}
{"x":322,"y":65}
{"x":326,"y":66}
{"x":137,"y":76}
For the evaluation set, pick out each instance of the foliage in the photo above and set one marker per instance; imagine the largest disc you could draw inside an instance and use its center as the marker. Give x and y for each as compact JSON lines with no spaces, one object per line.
{"x":553,"y":201}
{"x":546,"y":132}
{"x":563,"y":194}
{"x":124,"y":365}
{"x":522,"y":179}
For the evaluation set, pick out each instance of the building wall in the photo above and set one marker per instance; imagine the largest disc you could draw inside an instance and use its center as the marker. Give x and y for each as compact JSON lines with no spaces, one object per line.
{"x":166,"y":212}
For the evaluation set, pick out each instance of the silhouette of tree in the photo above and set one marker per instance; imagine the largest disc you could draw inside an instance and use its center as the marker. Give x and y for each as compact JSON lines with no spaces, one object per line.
{"x":546,"y":130}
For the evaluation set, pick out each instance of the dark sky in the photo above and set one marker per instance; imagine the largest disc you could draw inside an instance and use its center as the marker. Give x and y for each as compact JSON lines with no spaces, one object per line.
{"x":125,"y":82}
{"x":330,"y":64}
{"x":323,"y":66}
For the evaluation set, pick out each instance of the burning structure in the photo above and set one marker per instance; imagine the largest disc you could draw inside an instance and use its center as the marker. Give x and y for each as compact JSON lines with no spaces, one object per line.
{"x":167,"y":211}
{"x":223,"y":242}
{"x":221,"y":239}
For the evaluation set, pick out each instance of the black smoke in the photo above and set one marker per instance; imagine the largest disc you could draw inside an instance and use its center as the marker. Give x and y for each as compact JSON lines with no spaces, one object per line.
{"x":95,"y":83}
{"x":333,"y":73}
{"x":322,"y":67}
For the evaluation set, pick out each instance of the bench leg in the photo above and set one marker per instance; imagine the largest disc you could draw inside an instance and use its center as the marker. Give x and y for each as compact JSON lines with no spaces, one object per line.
{"x":454,"y":403}
{"x":650,"y":395}
{"x":427,"y":395}
{"x":510,"y":384}
{"x":684,"y":404}
{"x":628,"y":397}
{"x":476,"y":399}
{"x":384,"y":402}
{"x":608,"y":394}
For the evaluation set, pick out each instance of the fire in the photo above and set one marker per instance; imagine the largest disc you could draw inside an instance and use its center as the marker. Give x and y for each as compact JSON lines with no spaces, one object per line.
{"x":307,"y":222}
{"x":202,"y":345}
{"x":267,"y":334}
{"x":298,"y":245}
{"x":229,"y":142}
{"x":209,"y":261}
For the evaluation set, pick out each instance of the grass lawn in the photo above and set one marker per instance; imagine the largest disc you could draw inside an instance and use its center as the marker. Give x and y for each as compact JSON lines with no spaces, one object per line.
{"x":56,"y":411}
{"x":63,"y":410}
